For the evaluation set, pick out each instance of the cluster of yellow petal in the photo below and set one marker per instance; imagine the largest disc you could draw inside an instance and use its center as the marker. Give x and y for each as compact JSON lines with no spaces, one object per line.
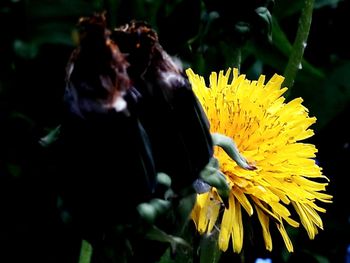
{"x":267,"y":131}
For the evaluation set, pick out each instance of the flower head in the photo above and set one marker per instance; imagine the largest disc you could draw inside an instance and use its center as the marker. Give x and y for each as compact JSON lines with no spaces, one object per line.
{"x":268,"y":132}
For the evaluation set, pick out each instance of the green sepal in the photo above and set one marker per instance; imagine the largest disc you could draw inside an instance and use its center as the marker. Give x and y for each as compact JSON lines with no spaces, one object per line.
{"x":215,"y":178}
{"x":230,"y":147}
{"x":212,"y":176}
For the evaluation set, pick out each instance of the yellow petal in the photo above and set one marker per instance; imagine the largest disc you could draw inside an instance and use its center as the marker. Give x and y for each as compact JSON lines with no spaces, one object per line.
{"x":285,"y":237}
{"x":237,"y":227}
{"x":264,"y":222}
{"x":243,"y":200}
{"x":226,"y":225}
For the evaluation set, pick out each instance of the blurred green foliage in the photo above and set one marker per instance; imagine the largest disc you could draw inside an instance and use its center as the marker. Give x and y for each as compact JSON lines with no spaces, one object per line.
{"x":36,"y":41}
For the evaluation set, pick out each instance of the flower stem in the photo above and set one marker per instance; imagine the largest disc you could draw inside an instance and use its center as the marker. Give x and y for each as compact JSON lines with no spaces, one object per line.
{"x":295,"y":59}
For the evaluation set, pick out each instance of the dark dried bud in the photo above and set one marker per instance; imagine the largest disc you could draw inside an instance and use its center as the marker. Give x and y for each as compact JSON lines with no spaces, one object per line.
{"x":92,"y":27}
{"x":172,"y":117}
{"x":137,"y":40}
{"x":147,"y":57}
{"x":97,"y":71}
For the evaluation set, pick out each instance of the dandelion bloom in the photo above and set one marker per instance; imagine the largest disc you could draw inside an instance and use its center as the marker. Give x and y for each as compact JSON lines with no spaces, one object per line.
{"x":268,"y":132}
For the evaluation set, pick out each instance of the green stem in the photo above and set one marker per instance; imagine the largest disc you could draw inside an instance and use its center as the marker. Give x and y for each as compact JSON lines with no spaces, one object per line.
{"x":85,"y":252}
{"x":237,"y":58}
{"x":295,"y":59}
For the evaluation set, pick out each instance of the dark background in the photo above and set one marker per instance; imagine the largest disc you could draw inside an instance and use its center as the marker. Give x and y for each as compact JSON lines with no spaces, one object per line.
{"x":37,"y":39}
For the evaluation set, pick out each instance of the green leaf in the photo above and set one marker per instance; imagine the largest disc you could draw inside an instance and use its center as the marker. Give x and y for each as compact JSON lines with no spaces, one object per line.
{"x":157,"y":234}
{"x":85,"y":252}
{"x":280,"y":39}
{"x":268,"y":55}
{"x":51,"y":137}
{"x":286,"y":8}
{"x":277,"y":54}
{"x":333,"y":95}
{"x":209,"y":249}
{"x":51,"y":23}
{"x":320,"y":258}
{"x":166,"y":258}
{"x":14,"y":170}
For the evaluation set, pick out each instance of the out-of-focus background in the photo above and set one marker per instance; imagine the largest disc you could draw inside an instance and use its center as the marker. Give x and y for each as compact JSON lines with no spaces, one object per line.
{"x":37,"y":37}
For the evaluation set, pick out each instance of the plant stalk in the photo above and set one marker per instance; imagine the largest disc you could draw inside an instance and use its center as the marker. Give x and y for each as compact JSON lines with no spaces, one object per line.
{"x":295,"y":59}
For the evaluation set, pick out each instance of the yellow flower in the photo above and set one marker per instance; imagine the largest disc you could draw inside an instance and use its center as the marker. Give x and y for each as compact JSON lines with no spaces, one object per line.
{"x":268,"y":132}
